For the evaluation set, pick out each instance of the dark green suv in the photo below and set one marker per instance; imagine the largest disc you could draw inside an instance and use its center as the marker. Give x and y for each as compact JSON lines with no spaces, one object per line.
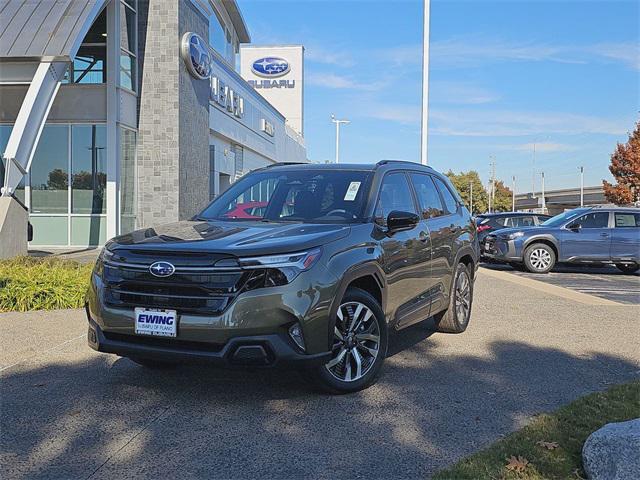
{"x":305,"y":265}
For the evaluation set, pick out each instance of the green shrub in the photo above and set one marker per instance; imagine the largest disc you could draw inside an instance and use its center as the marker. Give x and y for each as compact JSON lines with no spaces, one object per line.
{"x":28,"y":283}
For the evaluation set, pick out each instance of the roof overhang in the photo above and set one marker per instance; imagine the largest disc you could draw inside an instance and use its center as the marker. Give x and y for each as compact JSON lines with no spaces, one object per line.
{"x":238,"y":21}
{"x":45,"y":30}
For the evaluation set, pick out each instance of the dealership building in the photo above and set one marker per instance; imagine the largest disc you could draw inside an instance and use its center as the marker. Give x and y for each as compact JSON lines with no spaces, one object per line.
{"x":123,"y":114}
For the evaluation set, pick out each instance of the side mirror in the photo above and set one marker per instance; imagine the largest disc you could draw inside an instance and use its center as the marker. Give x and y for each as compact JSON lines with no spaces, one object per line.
{"x":575,"y":227}
{"x":399,"y":220}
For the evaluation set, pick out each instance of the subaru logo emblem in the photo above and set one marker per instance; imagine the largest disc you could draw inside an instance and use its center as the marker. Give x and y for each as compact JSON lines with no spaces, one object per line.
{"x":196,"y":55}
{"x":162,"y":269}
{"x":271,"y":67}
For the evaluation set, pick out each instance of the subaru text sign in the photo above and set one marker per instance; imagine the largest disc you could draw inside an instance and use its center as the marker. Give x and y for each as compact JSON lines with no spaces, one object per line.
{"x":270,"y":67}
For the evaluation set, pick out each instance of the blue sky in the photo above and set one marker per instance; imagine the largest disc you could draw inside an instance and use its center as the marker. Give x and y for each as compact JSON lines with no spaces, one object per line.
{"x":504,"y":75}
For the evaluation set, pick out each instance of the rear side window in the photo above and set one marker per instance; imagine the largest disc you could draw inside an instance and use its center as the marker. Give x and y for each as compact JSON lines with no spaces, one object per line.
{"x":428,"y":198}
{"x":520,"y":222}
{"x":450,"y":202}
{"x":395,"y":194}
{"x":594,"y":220}
{"x":627,"y":220}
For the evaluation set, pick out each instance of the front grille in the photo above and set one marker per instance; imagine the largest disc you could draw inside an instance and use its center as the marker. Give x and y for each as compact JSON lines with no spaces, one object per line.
{"x":172,"y":343}
{"x":207,"y":293}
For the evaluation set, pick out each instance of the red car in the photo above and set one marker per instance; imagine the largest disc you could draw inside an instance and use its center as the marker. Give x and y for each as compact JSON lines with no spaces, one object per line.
{"x":248,"y":210}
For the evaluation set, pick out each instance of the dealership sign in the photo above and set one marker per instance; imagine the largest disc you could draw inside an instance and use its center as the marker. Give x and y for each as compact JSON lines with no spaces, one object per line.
{"x":270,"y":67}
{"x":199,"y":61}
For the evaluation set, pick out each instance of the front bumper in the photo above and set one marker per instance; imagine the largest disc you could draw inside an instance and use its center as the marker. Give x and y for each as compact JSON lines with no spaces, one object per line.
{"x":259,"y":350}
{"x":501,"y":250}
{"x":252,"y":330}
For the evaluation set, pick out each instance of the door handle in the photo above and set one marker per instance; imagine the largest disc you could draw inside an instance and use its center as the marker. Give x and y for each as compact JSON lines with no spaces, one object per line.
{"x":603,"y":234}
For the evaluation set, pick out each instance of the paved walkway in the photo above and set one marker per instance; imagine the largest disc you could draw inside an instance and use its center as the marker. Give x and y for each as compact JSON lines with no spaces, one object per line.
{"x":68,"y":412}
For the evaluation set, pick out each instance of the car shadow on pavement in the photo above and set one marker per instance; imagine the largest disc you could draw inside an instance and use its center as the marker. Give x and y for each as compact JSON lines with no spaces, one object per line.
{"x":110,"y":418}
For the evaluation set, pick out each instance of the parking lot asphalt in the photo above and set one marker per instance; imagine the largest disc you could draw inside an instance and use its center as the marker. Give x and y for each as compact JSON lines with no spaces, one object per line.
{"x":603,"y":282}
{"x":69,"y":412}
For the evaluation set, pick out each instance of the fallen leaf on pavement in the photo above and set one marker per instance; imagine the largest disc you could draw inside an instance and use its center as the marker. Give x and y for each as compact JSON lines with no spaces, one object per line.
{"x":517,"y":464}
{"x":548,"y":445}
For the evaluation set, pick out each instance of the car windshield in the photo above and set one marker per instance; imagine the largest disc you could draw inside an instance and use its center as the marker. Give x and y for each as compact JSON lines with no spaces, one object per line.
{"x":305,"y":196}
{"x":562,"y":218}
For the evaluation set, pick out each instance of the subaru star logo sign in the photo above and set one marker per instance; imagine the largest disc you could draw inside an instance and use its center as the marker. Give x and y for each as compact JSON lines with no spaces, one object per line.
{"x":270,"y":67}
{"x":162,"y":269}
{"x":196,"y":55}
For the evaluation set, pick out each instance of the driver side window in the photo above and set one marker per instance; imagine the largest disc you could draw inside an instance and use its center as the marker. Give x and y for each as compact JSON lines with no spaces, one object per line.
{"x":395,"y":194}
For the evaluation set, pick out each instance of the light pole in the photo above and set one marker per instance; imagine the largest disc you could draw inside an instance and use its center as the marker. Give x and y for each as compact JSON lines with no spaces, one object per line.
{"x":544,"y":202}
{"x":582,"y":186}
{"x":513,"y":194}
{"x":425,"y":82}
{"x":338,"y":123}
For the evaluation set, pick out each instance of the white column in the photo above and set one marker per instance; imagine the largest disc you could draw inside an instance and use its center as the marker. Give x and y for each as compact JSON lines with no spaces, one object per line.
{"x":113,"y":134}
{"x":425,"y":82}
{"x":30,"y":121}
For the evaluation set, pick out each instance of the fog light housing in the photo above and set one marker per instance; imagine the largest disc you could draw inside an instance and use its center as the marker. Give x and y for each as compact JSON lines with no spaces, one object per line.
{"x":295,"y":332}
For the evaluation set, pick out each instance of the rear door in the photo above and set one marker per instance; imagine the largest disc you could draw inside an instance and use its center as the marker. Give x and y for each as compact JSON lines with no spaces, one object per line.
{"x":591,"y":241}
{"x":625,"y":236}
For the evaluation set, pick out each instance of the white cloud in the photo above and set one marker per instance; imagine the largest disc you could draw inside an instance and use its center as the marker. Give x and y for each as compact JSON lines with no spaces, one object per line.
{"x":542,"y":147}
{"x":471,"y":51}
{"x":335,"y":56}
{"x":496,"y":123}
{"x":627,"y":53}
{"x":460,"y":93}
{"x":334,"y":81}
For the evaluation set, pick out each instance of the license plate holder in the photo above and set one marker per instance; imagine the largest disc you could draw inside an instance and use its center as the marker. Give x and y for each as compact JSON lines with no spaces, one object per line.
{"x":156,"y":322}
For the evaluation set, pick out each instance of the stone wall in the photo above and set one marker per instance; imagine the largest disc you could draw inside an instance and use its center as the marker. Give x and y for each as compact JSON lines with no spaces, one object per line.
{"x":173,"y":139}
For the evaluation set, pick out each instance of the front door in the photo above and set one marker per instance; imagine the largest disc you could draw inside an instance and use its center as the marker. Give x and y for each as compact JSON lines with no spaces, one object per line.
{"x":405,"y":254}
{"x":587,"y":238}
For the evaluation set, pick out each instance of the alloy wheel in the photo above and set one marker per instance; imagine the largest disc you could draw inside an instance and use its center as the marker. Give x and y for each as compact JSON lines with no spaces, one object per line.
{"x":540,"y":259}
{"x":356,"y":342}
{"x":463,"y":296}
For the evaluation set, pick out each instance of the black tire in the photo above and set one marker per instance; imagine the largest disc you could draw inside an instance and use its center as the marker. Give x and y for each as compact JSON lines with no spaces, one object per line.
{"x":628,"y":268}
{"x":326,"y":377}
{"x":454,"y":319}
{"x":153,"y":364}
{"x":539,"y":258}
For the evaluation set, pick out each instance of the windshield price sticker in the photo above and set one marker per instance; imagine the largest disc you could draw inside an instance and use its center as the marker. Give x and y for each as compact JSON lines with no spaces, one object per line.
{"x":352,"y":191}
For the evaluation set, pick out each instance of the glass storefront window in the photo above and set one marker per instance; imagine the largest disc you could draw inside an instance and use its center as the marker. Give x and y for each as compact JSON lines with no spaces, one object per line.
{"x":90,"y":64}
{"x":128,"y":29}
{"x":49,"y":171}
{"x":217,"y":37}
{"x":128,"y":210}
{"x":88,"y":169}
{"x":127,"y":70}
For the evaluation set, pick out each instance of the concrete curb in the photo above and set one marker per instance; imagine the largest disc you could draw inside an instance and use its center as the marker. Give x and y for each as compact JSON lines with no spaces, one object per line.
{"x":551,"y":289}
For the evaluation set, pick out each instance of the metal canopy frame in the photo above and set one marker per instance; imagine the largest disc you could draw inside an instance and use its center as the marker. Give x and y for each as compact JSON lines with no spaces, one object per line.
{"x":39,"y":99}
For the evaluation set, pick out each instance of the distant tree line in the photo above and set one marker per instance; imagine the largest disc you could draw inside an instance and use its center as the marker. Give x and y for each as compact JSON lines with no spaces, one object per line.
{"x":465,"y":182}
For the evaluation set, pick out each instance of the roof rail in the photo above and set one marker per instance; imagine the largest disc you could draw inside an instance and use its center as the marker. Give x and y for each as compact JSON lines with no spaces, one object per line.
{"x":278,"y":164}
{"x":385,"y":162}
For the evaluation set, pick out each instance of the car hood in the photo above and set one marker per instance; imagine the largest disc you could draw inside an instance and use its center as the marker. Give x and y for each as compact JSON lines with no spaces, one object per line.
{"x":234,"y":238}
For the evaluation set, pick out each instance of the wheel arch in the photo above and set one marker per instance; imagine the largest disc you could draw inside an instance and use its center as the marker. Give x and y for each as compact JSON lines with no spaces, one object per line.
{"x":546,"y":240}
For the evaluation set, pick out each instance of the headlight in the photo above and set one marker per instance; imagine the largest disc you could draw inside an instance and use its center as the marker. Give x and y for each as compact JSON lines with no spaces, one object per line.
{"x":274,"y":270}
{"x":514,"y":235}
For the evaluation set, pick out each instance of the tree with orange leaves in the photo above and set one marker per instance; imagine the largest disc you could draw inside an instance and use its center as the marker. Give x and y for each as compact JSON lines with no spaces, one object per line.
{"x":625,"y":168}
